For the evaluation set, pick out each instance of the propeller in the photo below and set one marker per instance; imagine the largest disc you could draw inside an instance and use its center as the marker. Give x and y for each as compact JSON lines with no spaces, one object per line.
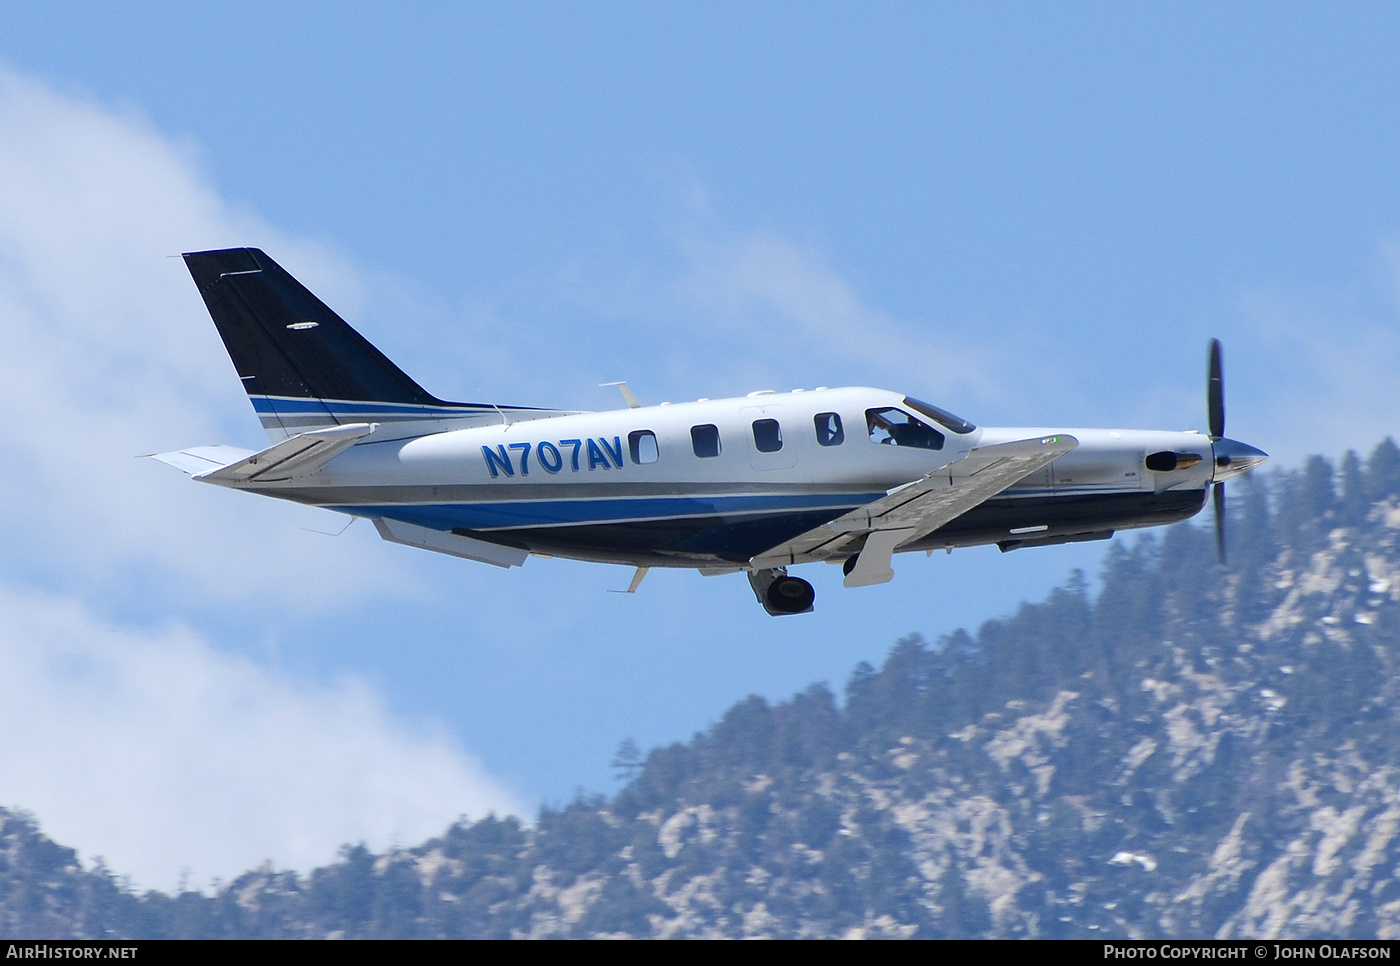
{"x":1215,"y":412}
{"x":1229,"y":457}
{"x":1215,"y":393}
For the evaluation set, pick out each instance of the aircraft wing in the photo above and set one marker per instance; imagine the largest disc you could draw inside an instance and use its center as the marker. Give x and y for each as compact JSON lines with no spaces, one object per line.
{"x":293,"y":457}
{"x":915,"y":510}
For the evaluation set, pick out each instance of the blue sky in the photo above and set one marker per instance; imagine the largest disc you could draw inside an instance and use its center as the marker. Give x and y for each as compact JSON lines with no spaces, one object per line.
{"x":1031,"y":214}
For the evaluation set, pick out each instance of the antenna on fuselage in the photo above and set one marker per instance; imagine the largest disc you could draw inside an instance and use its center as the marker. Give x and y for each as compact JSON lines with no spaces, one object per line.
{"x":628,"y":395}
{"x":331,"y":533}
{"x":504,"y":419}
{"x":636,"y":577}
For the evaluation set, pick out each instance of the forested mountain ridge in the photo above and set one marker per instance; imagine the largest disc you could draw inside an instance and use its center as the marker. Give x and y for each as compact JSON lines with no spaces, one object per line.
{"x":1194,"y":751}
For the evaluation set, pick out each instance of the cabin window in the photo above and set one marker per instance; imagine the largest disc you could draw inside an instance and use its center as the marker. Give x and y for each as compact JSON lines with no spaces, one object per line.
{"x":895,"y":427}
{"x":642,"y":443}
{"x":829,"y":430}
{"x":705,"y":440}
{"x":950,"y":422}
{"x":767,"y":435}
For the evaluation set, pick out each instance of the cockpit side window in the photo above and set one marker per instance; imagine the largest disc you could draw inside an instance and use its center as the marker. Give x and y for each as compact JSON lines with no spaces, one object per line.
{"x":944,"y":418}
{"x":895,"y":427}
{"x":829,"y":429}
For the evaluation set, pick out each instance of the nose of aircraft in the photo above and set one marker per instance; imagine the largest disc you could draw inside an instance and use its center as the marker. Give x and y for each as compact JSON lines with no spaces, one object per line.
{"x":1233,"y":458}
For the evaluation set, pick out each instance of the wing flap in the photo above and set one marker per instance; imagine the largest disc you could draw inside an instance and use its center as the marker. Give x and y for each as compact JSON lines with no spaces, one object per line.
{"x":295,"y":456}
{"x":922,"y":506}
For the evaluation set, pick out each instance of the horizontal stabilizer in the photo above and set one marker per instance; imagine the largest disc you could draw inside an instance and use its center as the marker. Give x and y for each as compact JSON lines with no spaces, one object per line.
{"x":412,"y":535}
{"x":202,"y":459}
{"x":297,"y":456}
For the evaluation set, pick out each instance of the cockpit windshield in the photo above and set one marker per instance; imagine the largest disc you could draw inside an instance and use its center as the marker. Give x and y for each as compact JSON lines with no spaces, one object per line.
{"x":944,"y":418}
{"x":895,"y":427}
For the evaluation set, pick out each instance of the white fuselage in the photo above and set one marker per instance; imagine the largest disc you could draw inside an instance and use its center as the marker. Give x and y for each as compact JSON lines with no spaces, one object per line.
{"x":758,"y":483}
{"x":583,"y":485}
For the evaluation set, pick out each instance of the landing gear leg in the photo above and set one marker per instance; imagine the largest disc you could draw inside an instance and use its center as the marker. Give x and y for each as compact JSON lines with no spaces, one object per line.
{"x":780,"y":594}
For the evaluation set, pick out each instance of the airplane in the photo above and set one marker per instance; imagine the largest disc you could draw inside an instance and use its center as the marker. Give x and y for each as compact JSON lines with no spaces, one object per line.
{"x":755,"y":484}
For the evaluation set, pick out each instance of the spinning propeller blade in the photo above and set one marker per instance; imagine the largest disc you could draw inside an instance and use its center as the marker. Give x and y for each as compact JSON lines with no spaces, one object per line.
{"x":1215,"y":413}
{"x":1215,"y":393}
{"x":1218,"y":494}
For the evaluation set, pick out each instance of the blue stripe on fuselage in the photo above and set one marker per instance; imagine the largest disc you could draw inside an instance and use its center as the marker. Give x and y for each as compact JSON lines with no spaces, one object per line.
{"x":546,"y":513}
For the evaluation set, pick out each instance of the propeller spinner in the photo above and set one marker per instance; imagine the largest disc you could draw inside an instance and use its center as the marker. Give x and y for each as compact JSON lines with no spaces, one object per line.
{"x":1231,"y":457}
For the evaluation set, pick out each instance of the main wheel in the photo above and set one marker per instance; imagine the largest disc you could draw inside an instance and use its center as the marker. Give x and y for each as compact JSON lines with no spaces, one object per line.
{"x":791,"y":595}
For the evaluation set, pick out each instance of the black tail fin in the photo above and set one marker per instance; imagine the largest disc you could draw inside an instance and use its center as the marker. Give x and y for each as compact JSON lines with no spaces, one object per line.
{"x":285,"y":342}
{"x":303,"y":366}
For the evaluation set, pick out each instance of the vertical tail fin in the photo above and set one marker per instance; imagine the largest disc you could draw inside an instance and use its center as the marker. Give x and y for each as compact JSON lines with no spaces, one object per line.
{"x":302,"y":365}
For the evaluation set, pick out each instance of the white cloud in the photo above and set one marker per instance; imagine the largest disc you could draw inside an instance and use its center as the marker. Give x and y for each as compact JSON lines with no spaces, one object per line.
{"x":160,"y":750}
{"x":781,"y":302}
{"x":162,"y":755}
{"x":780,"y":317}
{"x":109,"y":354}
{"x":727,"y":312}
{"x":1307,"y":370}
